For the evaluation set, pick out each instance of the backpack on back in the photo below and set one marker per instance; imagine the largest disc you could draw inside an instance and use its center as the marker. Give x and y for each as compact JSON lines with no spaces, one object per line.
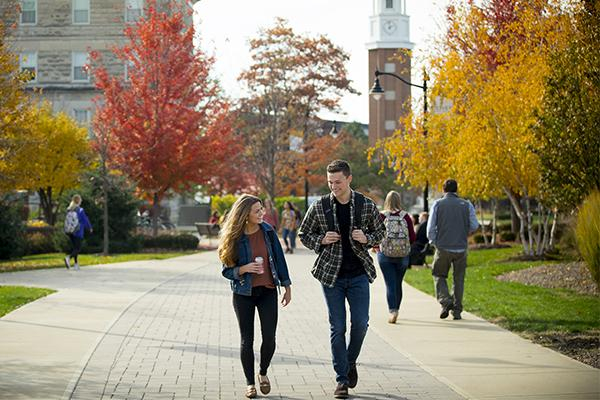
{"x":397,"y":241}
{"x":71,"y":222}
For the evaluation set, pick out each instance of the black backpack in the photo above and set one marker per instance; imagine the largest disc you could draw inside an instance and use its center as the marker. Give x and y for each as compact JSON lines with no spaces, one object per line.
{"x":359,"y":201}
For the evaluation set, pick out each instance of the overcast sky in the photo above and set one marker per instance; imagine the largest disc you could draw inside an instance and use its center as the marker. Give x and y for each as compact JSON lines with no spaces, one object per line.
{"x":226,"y":26}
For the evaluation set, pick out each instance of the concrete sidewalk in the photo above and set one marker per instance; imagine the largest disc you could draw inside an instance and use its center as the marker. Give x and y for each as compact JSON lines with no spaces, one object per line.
{"x":166,"y":329}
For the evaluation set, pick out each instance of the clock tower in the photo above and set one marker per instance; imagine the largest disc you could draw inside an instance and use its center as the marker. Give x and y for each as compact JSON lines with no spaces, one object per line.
{"x":389,"y":38}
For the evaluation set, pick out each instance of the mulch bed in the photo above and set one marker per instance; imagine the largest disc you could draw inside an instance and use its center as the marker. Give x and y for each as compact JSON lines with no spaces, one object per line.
{"x":583,"y":347}
{"x":574,"y":275}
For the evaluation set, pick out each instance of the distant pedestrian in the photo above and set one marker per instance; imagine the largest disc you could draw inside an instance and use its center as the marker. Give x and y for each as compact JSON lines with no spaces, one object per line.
{"x":288,"y":224}
{"x":451,"y":221}
{"x":418,"y":249}
{"x":254,"y":262}
{"x":394,"y":250}
{"x":340,"y":227}
{"x":271,"y":215}
{"x":76,"y":222}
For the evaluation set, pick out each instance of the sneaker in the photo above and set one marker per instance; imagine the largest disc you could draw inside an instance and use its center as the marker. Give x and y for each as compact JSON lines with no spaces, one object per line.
{"x":456,"y":315}
{"x":76,"y":267}
{"x":446,"y":311}
{"x":67,"y":262}
{"x":341,"y":391}
{"x":352,"y":377}
{"x":392,"y":319}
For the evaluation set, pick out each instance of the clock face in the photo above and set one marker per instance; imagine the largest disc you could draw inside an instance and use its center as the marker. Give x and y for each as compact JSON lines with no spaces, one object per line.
{"x":389,"y":27}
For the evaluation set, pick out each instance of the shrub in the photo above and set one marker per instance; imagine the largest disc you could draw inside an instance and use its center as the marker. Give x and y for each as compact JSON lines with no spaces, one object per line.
{"x":298,"y":202}
{"x":222,"y":203}
{"x":183,"y":241}
{"x":478,"y":238}
{"x":12,"y":241}
{"x":508,"y":236}
{"x":588,"y":233}
{"x":40,"y":241}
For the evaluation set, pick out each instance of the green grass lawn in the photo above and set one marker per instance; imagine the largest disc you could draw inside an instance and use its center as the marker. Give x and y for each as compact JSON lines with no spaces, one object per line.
{"x":517,"y":307}
{"x":56,"y":260}
{"x":13,"y":297}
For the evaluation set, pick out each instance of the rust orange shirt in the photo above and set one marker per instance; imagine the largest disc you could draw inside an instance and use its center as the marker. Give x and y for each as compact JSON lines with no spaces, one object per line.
{"x":259,"y":249}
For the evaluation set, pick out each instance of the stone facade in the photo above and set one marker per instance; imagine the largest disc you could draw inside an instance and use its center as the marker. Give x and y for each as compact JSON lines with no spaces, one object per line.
{"x":52,"y":38}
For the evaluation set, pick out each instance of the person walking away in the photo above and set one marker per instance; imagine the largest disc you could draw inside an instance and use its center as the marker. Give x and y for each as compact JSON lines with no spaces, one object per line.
{"x":394,"y":251}
{"x":451,"y":221}
{"x":341,"y":227}
{"x":288,"y":223}
{"x":76,"y":222}
{"x":253,"y":261}
{"x":271,"y":215}
{"x":418,"y":250}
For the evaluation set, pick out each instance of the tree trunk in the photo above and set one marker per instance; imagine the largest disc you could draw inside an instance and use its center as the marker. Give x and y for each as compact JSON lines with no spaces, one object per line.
{"x":494,"y":209}
{"x":515,"y":226}
{"x":553,"y":229}
{"x":529,"y":224}
{"x":483,"y":228}
{"x":105,"y":247}
{"x":155,"y":213}
{"x":46,"y":205}
{"x":546,"y":237}
{"x":518,"y":209}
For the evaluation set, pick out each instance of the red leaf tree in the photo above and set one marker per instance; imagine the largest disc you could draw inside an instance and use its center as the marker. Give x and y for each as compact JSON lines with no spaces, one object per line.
{"x":164,"y":123}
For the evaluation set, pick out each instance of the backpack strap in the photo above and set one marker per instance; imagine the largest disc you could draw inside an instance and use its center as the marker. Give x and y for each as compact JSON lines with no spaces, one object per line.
{"x":326,"y":202}
{"x":359,"y":202}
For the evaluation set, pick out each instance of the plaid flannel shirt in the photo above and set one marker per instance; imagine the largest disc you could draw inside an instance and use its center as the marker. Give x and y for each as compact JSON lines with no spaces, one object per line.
{"x":329,"y":261}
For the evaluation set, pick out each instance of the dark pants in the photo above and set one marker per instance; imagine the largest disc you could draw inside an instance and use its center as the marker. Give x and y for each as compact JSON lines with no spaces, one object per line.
{"x":265,"y":300}
{"x":442,"y":261}
{"x":393,"y":269}
{"x":75,"y":246}
{"x":356,"y":291}
{"x":291,"y":234}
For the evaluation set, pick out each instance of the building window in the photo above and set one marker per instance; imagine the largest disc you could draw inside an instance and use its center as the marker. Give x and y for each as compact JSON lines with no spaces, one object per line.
{"x":82,"y":116}
{"x":79,"y":67}
{"x":389,"y":67}
{"x":28,"y":62}
{"x":81,"y":11}
{"x":390,"y":125}
{"x":29,"y":12}
{"x":389,"y":3}
{"x":133,"y":10}
{"x":390,"y":95}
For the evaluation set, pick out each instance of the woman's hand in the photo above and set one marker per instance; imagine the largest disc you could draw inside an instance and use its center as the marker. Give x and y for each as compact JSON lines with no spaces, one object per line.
{"x":287,"y":296}
{"x":251,"y":268}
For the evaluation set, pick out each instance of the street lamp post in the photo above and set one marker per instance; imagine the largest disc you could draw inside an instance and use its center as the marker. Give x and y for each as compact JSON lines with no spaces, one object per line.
{"x":377,"y":91}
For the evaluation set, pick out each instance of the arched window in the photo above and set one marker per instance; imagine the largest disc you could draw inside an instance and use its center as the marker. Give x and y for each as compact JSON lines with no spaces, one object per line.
{"x":389,"y":3}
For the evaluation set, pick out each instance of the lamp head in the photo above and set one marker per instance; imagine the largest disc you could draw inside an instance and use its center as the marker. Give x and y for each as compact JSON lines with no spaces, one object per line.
{"x":376,"y":91}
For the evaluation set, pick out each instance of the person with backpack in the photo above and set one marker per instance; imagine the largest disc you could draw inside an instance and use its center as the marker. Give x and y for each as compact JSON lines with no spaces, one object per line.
{"x":76,"y":221}
{"x":341,"y":227}
{"x":394,"y":251}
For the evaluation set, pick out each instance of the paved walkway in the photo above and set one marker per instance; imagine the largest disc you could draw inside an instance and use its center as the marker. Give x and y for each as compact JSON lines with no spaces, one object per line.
{"x":166,"y":330}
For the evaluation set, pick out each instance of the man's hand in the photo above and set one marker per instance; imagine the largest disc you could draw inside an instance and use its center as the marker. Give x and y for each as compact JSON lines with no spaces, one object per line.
{"x":331,"y":237}
{"x":359,"y":236}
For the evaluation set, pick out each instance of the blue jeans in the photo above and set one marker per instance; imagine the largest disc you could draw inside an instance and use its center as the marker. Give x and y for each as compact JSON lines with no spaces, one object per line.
{"x":291,"y":234}
{"x":356,"y":291}
{"x":393,"y":269}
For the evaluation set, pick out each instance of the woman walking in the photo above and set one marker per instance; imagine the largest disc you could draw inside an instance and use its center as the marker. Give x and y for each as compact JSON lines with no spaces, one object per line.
{"x":254,"y":262}
{"x":288,"y":223}
{"x":394,"y":250}
{"x":271,"y":215}
{"x":76,"y":221}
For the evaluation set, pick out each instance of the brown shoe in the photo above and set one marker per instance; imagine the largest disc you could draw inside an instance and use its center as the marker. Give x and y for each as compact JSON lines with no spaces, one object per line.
{"x":264,"y":384}
{"x":393,"y":317}
{"x":341,"y":391}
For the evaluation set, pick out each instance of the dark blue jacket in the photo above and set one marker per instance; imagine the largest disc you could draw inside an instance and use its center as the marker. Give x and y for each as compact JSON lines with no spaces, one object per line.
{"x":84,"y":223}
{"x":243,"y":284}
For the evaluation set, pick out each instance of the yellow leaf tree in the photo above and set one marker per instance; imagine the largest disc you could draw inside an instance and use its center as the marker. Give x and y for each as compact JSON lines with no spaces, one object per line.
{"x":54,"y":158}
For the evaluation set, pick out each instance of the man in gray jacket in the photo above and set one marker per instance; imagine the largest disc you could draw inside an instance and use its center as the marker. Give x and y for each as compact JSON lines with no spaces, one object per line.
{"x":451,"y":221}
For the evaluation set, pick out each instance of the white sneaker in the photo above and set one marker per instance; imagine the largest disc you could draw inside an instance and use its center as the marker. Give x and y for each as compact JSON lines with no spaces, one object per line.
{"x":76,"y":267}
{"x":67,"y":262}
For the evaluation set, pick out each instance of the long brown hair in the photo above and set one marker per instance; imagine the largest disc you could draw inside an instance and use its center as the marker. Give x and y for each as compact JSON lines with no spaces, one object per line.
{"x":233,"y":228}
{"x":393,"y":201}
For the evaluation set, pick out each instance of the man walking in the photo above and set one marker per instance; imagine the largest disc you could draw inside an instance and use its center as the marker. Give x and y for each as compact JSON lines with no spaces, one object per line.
{"x":340,"y":228}
{"x":451,"y":221}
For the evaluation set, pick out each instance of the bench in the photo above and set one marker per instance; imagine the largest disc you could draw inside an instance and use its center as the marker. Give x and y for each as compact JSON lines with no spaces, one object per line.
{"x":207,"y":230}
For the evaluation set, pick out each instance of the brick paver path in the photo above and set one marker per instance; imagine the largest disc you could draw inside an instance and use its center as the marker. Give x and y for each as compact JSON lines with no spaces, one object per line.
{"x":180,"y":341}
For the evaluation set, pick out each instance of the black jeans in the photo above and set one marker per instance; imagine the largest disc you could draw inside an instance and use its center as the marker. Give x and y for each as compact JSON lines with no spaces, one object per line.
{"x":75,"y":246}
{"x":265,"y":300}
